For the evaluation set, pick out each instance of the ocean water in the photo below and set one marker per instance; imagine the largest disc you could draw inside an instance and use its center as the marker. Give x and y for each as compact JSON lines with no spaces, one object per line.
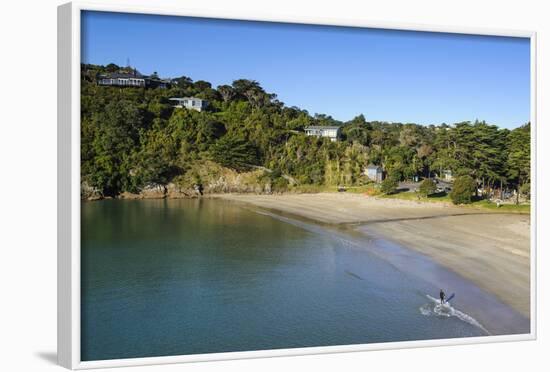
{"x":176,"y":277}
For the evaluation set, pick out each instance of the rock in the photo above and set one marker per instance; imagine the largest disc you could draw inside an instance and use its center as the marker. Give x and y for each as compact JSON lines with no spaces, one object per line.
{"x":173,"y":191}
{"x":129,"y":195}
{"x":90,"y":193}
{"x":153,"y":191}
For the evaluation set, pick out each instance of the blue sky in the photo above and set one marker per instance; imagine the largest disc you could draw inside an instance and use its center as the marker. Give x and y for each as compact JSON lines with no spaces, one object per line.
{"x":421,"y":77}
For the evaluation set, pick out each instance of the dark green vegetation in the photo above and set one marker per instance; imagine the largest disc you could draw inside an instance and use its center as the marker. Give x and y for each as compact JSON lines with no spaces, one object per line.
{"x":389,"y":185}
{"x":463,"y":189}
{"x":427,"y":187}
{"x":133,"y":137}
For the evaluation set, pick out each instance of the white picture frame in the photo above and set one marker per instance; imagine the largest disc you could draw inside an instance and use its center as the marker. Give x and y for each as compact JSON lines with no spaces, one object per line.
{"x":69,"y":47}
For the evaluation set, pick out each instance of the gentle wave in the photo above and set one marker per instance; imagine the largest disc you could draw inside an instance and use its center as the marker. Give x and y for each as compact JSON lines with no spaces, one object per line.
{"x":436,"y":308}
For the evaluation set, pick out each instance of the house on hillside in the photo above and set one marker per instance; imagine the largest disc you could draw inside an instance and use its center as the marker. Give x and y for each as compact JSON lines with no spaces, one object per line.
{"x":324,"y":131}
{"x":374,"y":173}
{"x":191,"y":103}
{"x":122,"y":79}
{"x":152,"y":82}
{"x":131,"y":78}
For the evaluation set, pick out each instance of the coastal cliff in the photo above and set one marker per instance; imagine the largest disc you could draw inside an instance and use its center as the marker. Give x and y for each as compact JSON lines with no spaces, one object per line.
{"x":201,"y":179}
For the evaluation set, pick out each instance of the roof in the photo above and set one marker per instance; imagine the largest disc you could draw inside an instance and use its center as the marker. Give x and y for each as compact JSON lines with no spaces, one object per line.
{"x":134,"y":74}
{"x":372,"y":166}
{"x":322,"y":127}
{"x":125,"y":75}
{"x":181,"y":99}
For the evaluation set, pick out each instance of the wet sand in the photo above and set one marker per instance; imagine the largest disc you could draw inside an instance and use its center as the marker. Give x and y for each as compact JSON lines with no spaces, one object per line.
{"x":490,"y":249}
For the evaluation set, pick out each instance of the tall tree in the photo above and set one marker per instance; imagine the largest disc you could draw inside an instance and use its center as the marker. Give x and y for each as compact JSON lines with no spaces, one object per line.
{"x":519,"y":157}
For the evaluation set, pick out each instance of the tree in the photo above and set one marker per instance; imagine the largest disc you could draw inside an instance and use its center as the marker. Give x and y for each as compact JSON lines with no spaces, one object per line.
{"x":463,"y":190}
{"x":156,"y":162}
{"x":423,"y":153}
{"x":427,"y":187}
{"x":357,"y":130}
{"x":525,"y":189}
{"x":183,"y":82}
{"x":202,"y":85}
{"x":235,"y":153}
{"x":227,"y":92}
{"x":111,"y":67}
{"x":389,"y":185}
{"x":253,"y":93}
{"x":519,"y":157}
{"x":133,"y":136}
{"x":326,"y":120}
{"x":114,"y":144}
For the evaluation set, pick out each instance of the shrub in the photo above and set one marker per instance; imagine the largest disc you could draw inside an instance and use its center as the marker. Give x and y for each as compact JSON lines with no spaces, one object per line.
{"x":279,"y":184}
{"x":463,"y":188}
{"x":236,"y":153}
{"x":427,"y":187}
{"x":389,"y":185}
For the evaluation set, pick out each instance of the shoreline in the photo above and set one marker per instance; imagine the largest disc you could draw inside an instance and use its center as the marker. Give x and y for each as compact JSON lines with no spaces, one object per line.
{"x":490,"y":249}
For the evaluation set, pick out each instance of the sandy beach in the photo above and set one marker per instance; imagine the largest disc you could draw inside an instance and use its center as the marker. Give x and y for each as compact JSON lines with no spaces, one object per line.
{"x":490,"y":249}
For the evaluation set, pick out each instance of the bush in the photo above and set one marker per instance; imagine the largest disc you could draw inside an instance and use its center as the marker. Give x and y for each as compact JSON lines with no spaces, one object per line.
{"x":389,"y":185}
{"x":463,"y":188}
{"x":427,"y":187}
{"x":279,"y":184}
{"x":236,"y":153}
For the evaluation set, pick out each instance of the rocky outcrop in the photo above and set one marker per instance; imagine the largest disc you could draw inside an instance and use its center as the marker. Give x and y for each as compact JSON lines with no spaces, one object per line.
{"x":202,"y":179}
{"x":153,"y":191}
{"x":173,"y":191}
{"x":235,"y":183}
{"x":88,"y":192}
{"x":215,"y":179}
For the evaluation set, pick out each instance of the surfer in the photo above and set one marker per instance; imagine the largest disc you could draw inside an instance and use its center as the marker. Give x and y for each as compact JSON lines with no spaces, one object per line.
{"x":442,"y":296}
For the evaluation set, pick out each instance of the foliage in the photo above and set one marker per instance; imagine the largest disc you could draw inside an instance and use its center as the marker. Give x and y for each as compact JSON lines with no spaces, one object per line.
{"x":525,"y":189}
{"x":133,"y":137}
{"x":427,"y":187}
{"x":389,"y":185}
{"x":463,"y":190}
{"x":519,"y":157}
{"x":236,"y":153}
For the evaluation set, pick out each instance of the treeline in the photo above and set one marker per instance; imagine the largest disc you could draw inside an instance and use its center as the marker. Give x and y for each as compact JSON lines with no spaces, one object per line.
{"x":133,"y":137}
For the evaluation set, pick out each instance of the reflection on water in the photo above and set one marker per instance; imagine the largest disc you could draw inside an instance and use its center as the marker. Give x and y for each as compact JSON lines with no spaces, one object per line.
{"x":173,"y":277}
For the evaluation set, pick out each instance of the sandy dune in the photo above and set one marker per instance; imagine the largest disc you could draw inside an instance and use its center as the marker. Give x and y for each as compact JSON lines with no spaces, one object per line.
{"x":490,"y":249}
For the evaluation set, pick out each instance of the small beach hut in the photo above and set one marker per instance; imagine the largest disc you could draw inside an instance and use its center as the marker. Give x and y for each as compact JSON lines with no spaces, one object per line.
{"x":374,"y":172}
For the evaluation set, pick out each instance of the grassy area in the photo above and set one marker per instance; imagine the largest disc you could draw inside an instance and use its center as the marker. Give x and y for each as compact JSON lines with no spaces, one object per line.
{"x":368,"y":189}
{"x":417,"y":197}
{"x":505,"y":208}
{"x":444,"y":198}
{"x":412,"y":196}
{"x":306,"y":189}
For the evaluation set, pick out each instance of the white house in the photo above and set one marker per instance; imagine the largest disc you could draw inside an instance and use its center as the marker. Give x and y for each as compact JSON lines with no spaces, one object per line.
{"x":131,"y":78}
{"x":374,"y":172}
{"x":122,"y":79}
{"x":190,"y":103}
{"x":321,"y":131}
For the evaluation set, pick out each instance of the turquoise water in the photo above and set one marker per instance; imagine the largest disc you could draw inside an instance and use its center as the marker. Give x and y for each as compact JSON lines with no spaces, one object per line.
{"x":174,"y":277}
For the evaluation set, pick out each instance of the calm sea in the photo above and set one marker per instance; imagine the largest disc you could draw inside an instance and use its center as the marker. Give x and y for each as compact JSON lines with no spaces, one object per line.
{"x":172,"y":277}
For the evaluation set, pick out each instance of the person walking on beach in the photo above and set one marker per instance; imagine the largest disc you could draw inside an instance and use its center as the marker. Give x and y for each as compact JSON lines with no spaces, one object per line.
{"x":442,"y":296}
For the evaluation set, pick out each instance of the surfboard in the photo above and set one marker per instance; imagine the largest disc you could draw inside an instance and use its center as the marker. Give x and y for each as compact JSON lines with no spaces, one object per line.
{"x":450,"y":298}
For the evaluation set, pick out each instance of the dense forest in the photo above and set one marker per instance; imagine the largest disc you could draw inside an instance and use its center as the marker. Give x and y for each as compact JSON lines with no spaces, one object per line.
{"x":133,"y":137}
